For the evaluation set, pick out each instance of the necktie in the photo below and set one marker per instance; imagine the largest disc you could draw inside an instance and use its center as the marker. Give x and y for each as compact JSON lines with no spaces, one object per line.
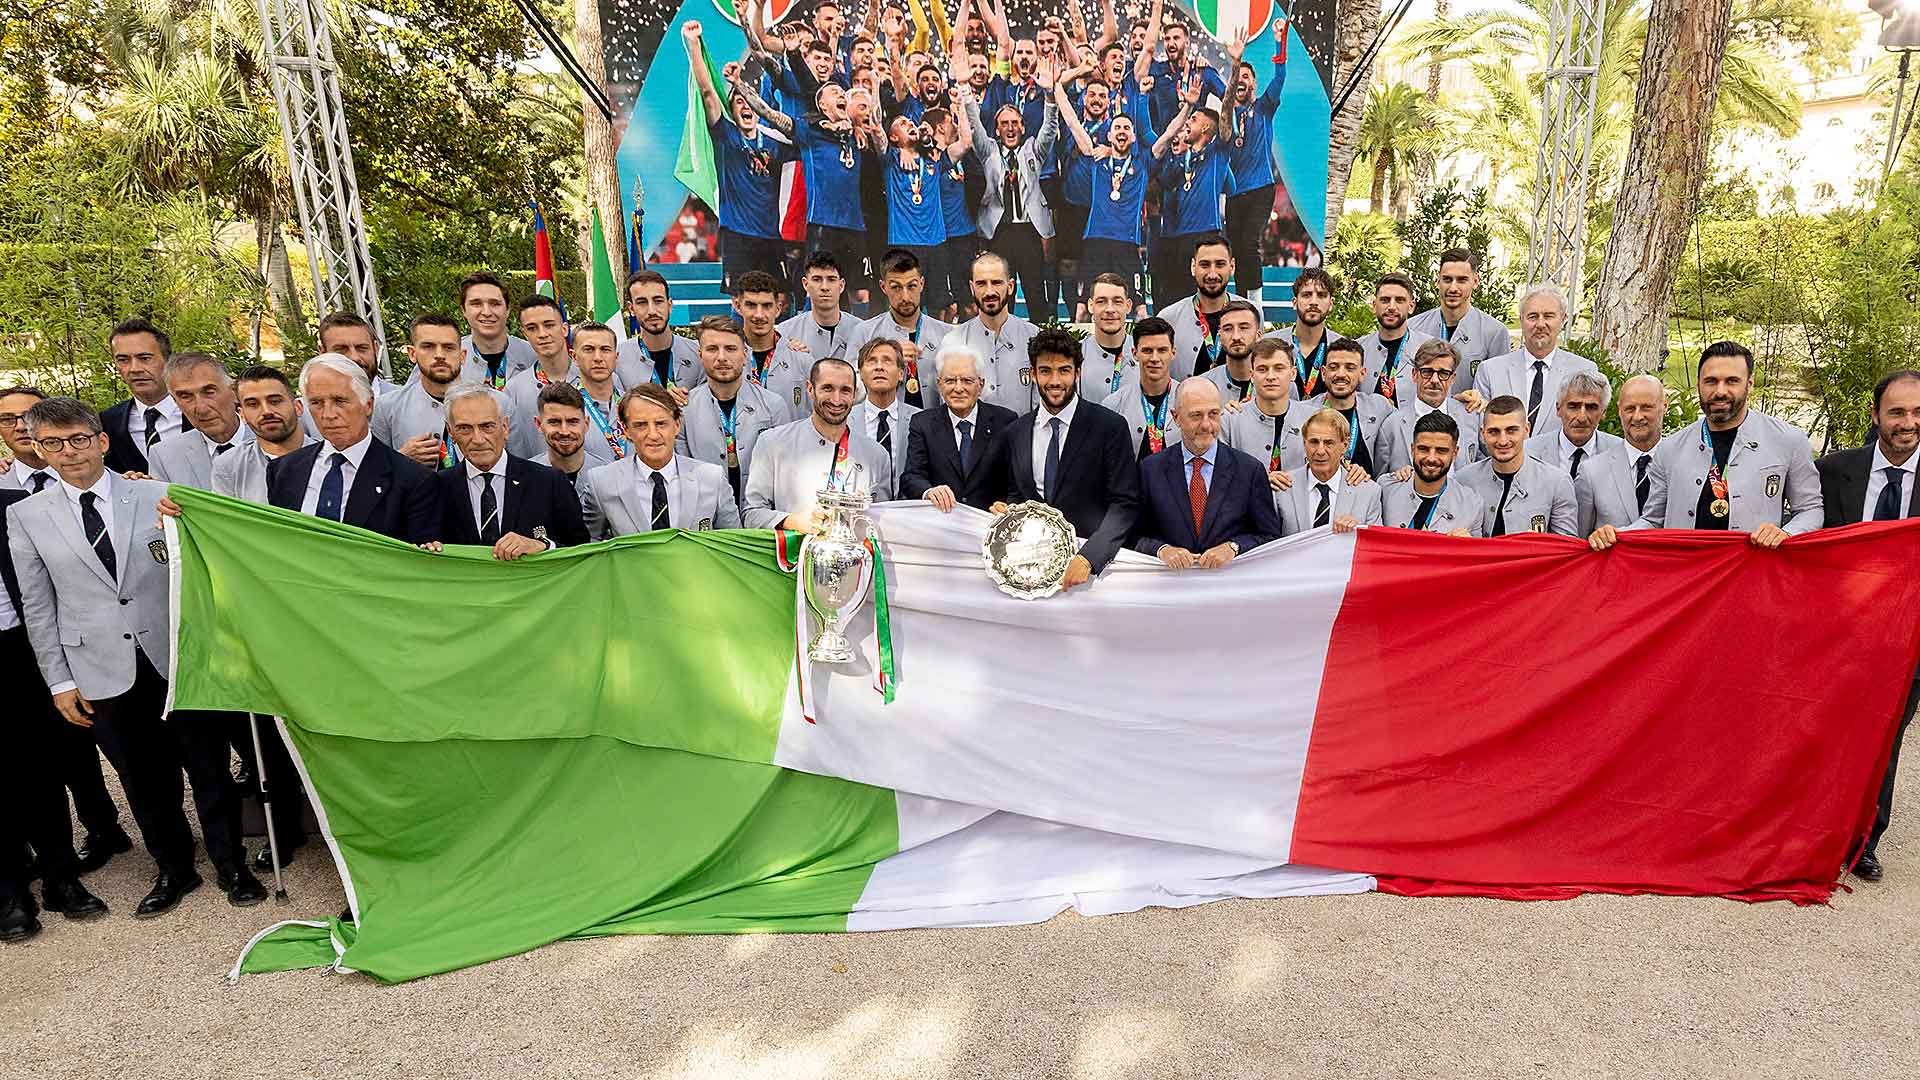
{"x":1641,"y":485}
{"x":96,"y":529}
{"x":1424,"y":515}
{"x":1053,"y":458}
{"x":1573,"y":466}
{"x":332,"y":488}
{"x":1324,"y":513}
{"x":489,"y":510}
{"x":884,"y":433}
{"x":222,"y":448}
{"x":1197,"y":496}
{"x":39,"y":482}
{"x":153,"y":427}
{"x":1887,"y":507}
{"x":966,"y":444}
{"x":660,"y":519}
{"x":1539,"y":390}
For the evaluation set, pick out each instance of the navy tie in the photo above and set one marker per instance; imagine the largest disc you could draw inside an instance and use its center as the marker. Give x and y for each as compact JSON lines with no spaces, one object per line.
{"x":883,"y":434}
{"x":1538,"y":391}
{"x":1573,"y":471}
{"x":331,"y":489}
{"x":1887,"y":507}
{"x":661,"y":516}
{"x":153,"y":428}
{"x":966,"y":443}
{"x":1641,"y":485}
{"x":1053,"y":459}
{"x":39,"y":482}
{"x":96,"y":529}
{"x":489,"y":510}
{"x":1323,"y":513}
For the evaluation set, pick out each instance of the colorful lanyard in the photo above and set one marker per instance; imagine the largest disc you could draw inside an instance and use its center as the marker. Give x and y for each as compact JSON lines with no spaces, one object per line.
{"x":497,"y":380}
{"x":1186,"y":166}
{"x":615,"y":441}
{"x":1120,"y":174}
{"x":1428,"y":506}
{"x":1353,"y":439}
{"x":1716,"y":478}
{"x":729,"y":426}
{"x":1311,"y":377}
{"x":1119,"y":367}
{"x":835,"y":479}
{"x":1206,"y":332}
{"x":756,"y":373}
{"x":1156,"y":422}
{"x":1279,"y":429}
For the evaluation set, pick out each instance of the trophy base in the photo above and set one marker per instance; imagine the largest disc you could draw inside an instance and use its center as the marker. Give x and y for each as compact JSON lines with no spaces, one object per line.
{"x":831,"y":647}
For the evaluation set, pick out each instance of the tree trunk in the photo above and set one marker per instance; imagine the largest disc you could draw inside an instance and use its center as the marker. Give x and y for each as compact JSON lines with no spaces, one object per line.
{"x":1356,"y":21}
{"x":1672,"y":122}
{"x":602,"y":174}
{"x":1377,"y":194}
{"x":1429,"y":162}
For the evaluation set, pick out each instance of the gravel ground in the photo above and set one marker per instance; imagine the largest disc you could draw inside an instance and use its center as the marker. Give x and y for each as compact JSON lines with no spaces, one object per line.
{"x":1347,"y":985}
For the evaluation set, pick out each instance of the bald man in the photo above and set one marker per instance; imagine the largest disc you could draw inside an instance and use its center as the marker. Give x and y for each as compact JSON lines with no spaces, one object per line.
{"x":1203,"y":503}
{"x":1613,"y":489}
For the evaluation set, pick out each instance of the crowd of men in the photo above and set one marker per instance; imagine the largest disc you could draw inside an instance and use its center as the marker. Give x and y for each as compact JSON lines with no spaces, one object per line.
{"x":1191,"y":439}
{"x":1069,"y":156}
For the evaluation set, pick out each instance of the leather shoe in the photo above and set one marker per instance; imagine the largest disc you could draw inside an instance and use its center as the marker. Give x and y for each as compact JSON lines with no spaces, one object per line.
{"x":100,"y":848}
{"x":70,"y":898}
{"x":1868,"y":867}
{"x":17,"y":917}
{"x":242,"y":888}
{"x":168,"y":889}
{"x":263,"y":862}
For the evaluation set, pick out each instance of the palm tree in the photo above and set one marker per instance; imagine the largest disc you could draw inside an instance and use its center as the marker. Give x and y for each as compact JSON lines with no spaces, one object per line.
{"x":1389,"y":130}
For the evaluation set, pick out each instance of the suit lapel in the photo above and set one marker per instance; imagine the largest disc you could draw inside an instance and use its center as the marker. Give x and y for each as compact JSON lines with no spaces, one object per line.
{"x":68,"y":526}
{"x":1021,"y":452}
{"x":1223,"y":466}
{"x":370,"y":483}
{"x":123,"y":515}
{"x":1854,"y":490}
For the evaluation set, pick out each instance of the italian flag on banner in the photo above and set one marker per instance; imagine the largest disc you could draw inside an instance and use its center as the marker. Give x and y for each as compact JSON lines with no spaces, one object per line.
{"x":1225,"y":18}
{"x":612,"y":739}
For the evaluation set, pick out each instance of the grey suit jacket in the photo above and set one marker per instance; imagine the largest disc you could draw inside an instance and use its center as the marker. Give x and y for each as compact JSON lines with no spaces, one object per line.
{"x":1540,"y":500}
{"x":1371,"y":410}
{"x":635,"y":367}
{"x":187,"y":458}
{"x":1186,"y":334}
{"x":1098,"y":379}
{"x":756,"y":412}
{"x":1131,"y":405}
{"x":1605,"y":490}
{"x":1546,"y":447}
{"x":897,"y":428}
{"x":1477,"y":339}
{"x":1297,"y":504}
{"x":1394,"y":450}
{"x":85,"y":626}
{"x":1253,"y":432}
{"x":791,"y":468}
{"x":1770,"y":477}
{"x":1513,"y":374}
{"x":1374,"y":355}
{"x":613,"y":504}
{"x":1459,"y":508}
{"x":1034,"y":154}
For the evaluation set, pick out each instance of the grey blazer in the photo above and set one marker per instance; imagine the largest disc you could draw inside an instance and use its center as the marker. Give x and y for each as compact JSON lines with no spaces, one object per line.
{"x":1513,"y":374}
{"x":756,"y":411}
{"x":1770,"y":479}
{"x":613,"y":504}
{"x":1477,"y":339}
{"x":1394,"y":451}
{"x":1371,"y":410}
{"x":1540,"y":500}
{"x":791,"y":467}
{"x":86,"y":626}
{"x":1033,"y":154}
{"x":1130,"y":403}
{"x":1097,"y":376}
{"x":1459,"y":508}
{"x":635,"y":367}
{"x":1605,"y":490}
{"x":1186,"y":334}
{"x":1296,"y":504}
{"x":1374,"y":355}
{"x":1253,"y":432}
{"x":187,"y":458}
{"x":1546,"y":447}
{"x":897,"y":426}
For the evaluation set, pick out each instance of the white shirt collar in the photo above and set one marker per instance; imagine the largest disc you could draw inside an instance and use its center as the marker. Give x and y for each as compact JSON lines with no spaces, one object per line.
{"x":1880,"y":462}
{"x":169,"y":408}
{"x":1421,"y":408}
{"x":103,"y":487}
{"x":954,"y":419}
{"x":1567,"y":446}
{"x":1532,"y":359}
{"x":355,"y":453}
{"x":499,"y":468}
{"x":1334,"y":484}
{"x":670,"y":471}
{"x":1042,"y":417}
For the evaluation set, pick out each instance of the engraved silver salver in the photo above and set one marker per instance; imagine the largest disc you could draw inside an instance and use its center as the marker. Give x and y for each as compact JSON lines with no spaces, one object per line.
{"x":1027,"y":550}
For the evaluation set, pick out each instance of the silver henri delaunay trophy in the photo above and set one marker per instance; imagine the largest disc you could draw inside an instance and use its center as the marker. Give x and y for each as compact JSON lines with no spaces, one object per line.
{"x":1027,"y":550}
{"x":836,"y":567}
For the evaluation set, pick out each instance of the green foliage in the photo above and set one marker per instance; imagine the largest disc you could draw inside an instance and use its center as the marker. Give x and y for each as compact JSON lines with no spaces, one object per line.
{"x":1364,"y":247}
{"x":1451,"y":218}
{"x":1683,"y":403}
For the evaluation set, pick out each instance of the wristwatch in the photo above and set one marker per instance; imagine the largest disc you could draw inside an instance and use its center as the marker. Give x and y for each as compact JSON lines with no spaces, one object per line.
{"x":1235,"y":546}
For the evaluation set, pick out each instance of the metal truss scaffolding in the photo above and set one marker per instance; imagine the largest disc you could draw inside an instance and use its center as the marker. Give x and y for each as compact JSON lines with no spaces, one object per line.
{"x":1568,"y":98}
{"x":306,"y":86}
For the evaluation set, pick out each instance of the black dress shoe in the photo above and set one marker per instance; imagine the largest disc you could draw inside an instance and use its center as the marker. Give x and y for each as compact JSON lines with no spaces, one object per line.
{"x":102,"y":847}
{"x":70,"y":898}
{"x":17,"y":917}
{"x":263,"y":862}
{"x":242,"y":888}
{"x":168,"y":889}
{"x":1868,"y":868}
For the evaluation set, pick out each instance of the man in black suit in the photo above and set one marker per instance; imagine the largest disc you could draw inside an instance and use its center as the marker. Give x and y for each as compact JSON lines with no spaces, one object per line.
{"x":1876,"y":483}
{"x":359,"y":480}
{"x":950,"y":450}
{"x":33,"y":801}
{"x":140,"y":350}
{"x":1202,"y":503}
{"x":493,"y":498}
{"x":1072,"y":455}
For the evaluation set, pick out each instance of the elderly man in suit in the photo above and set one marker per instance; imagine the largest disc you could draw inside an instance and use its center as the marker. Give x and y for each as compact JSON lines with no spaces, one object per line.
{"x":204,"y":390}
{"x":1534,"y":372}
{"x":950,"y":450}
{"x":1613,"y":488}
{"x":1877,"y":483}
{"x":347,"y":475}
{"x":1579,"y":406}
{"x":1522,"y":495}
{"x":657,"y":489}
{"x":1320,"y":492}
{"x":91,"y":559}
{"x":1428,"y":500}
{"x":1733,"y":469}
{"x":493,"y":498}
{"x":883,"y":415}
{"x":1202,"y":503}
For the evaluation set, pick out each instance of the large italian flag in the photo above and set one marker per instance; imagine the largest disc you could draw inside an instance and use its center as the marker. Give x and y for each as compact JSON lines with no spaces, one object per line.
{"x":612,"y":739}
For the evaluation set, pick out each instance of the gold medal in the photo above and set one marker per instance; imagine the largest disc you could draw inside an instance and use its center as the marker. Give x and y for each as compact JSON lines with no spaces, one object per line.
{"x":733,"y":458}
{"x":913,"y":386}
{"x":1719,"y":507}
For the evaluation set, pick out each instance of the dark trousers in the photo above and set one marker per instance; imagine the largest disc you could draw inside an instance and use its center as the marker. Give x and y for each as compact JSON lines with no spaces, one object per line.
{"x":849,"y":249}
{"x":1885,"y":812}
{"x":149,"y":752}
{"x":1098,"y":256}
{"x":289,"y":795}
{"x":1019,"y":244}
{"x":33,"y":799}
{"x":1246,"y":223}
{"x":1170,"y":260}
{"x":740,"y":253}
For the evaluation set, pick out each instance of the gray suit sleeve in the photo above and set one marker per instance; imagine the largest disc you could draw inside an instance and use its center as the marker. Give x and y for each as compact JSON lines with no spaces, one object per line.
{"x":757,"y":510}
{"x":38,"y":608}
{"x":1803,"y":494}
{"x":157,"y":462}
{"x":1583,"y":503}
{"x":590,"y":512}
{"x":728,"y":515}
{"x":1563,"y":516}
{"x":1370,"y":512}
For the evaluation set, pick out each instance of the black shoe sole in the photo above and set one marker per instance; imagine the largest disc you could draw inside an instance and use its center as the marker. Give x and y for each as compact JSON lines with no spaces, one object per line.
{"x":20,"y":934}
{"x":138,"y":914}
{"x":84,"y":916}
{"x":248,"y":902}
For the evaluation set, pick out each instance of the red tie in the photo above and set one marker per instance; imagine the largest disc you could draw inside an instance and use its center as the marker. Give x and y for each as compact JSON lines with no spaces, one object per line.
{"x":1197,"y":495}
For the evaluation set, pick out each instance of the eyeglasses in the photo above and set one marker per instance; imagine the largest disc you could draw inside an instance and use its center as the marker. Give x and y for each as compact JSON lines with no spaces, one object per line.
{"x":53,"y":444}
{"x":12,"y":420}
{"x":1432,"y":373}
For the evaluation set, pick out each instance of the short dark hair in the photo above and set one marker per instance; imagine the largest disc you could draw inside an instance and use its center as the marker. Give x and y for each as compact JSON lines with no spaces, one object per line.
{"x":130,"y":327}
{"x":1506,"y":405}
{"x":1438,"y":422}
{"x":1459,"y":254}
{"x":23,"y":388}
{"x":1110,"y":278}
{"x":816,"y":45}
{"x":431,"y":318}
{"x":1268,"y":346}
{"x":1240,"y":305}
{"x":813,"y":373}
{"x":263,"y":373}
{"x":1721,"y":349}
{"x":480,"y":277}
{"x":1395,"y":278}
{"x":539,"y":300}
{"x":1152,"y":326}
{"x":1212,"y":239}
{"x":822,"y":259}
{"x":560,"y":393}
{"x":1315,"y":275}
{"x":1054,"y":342}
{"x":649,"y":392}
{"x":1345,"y":345}
{"x":757,"y":281}
{"x":1879,"y":388}
{"x":596,"y":328}
{"x":720,"y":324}
{"x":62,"y":412}
{"x":898,"y":261}
{"x":646,"y":277}
{"x":336,"y":320}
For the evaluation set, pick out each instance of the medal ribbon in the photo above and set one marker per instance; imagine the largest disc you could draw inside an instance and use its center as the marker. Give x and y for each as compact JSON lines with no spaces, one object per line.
{"x":615,"y":441}
{"x":1313,"y":361}
{"x":1435,"y":505}
{"x":1279,"y":428}
{"x":729,"y":425}
{"x":1715,"y":479}
{"x":1156,"y":422}
{"x":834,"y":479}
{"x":756,"y":373}
{"x":885,"y":678}
{"x":1206,"y":333}
{"x":1119,"y":367}
{"x":495,"y":379}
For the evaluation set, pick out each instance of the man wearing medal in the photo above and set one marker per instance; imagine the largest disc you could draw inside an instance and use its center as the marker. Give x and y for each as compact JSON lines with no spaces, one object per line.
{"x":1270,"y":426}
{"x":796,"y":461}
{"x":657,"y":355}
{"x":596,"y":354}
{"x":1250,"y":136}
{"x":1733,"y":469}
{"x":1364,"y":413}
{"x":1239,"y":329}
{"x":919,"y":334}
{"x":749,"y":166}
{"x":726,"y":415}
{"x":827,"y":141}
{"x":1106,"y":354}
{"x":657,"y":488}
{"x":1196,"y":318}
{"x":546,"y":330}
{"x":1428,"y":500}
{"x":1193,"y":181}
{"x":1146,"y":403}
{"x":772,"y":361}
{"x":1310,"y":335}
{"x":414,"y":420}
{"x":1119,"y":169}
{"x":1388,"y":350}
{"x":1475,"y":335}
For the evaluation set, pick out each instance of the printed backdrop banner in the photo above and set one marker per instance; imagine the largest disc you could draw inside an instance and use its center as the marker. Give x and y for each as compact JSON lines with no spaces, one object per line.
{"x":618,"y":739}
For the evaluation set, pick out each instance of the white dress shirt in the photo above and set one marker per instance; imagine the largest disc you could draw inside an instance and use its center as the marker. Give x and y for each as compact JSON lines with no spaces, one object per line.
{"x":474,"y":486}
{"x":324,"y":464}
{"x":971,"y":416}
{"x":1334,"y":484}
{"x":171,"y":421}
{"x":103,"y":505}
{"x":894,"y":432}
{"x":671,"y":474}
{"x":21,"y":476}
{"x":1043,"y":436}
{"x":1567,"y":447}
{"x":1877,"y":479}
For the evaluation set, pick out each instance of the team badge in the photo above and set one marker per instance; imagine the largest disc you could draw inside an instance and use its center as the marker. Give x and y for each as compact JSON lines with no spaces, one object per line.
{"x":705,"y":524}
{"x":796,"y":397}
{"x":1026,"y":376}
{"x":1539,"y":523}
{"x":1773,"y":486}
{"x":158,"y":549}
{"x":540,"y":533}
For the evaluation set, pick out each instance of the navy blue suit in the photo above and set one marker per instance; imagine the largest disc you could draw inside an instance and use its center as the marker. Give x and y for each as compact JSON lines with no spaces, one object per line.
{"x":1239,"y":503}
{"x":542,"y":505}
{"x":392,"y":495}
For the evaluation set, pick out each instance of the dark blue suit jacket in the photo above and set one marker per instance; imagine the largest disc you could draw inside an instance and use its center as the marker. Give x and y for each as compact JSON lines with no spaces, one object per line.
{"x":392,"y":494}
{"x":1239,"y":503}
{"x":541,"y":500}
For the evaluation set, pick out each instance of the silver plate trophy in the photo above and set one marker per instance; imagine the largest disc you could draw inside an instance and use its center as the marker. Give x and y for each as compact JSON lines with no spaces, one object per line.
{"x":835,"y":567}
{"x":1027,"y":550}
